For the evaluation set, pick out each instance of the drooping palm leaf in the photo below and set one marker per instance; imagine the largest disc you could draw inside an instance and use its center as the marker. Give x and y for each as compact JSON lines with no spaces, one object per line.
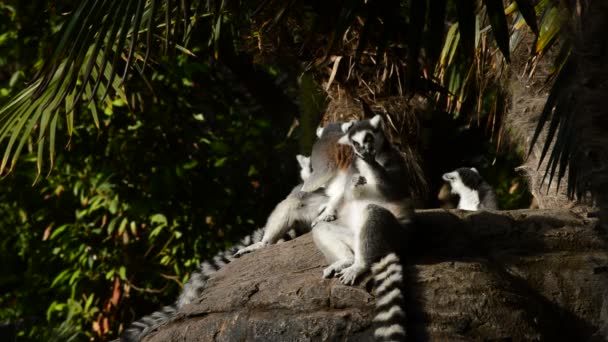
{"x":499,"y":25}
{"x":93,"y":57}
{"x":574,"y":110}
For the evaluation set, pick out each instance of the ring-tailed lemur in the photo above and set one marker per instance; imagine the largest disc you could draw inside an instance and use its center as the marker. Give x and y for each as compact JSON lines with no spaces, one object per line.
{"x":372,"y":222}
{"x":475,"y":194}
{"x":290,"y":218}
{"x":327,"y":136}
{"x":293,"y":216}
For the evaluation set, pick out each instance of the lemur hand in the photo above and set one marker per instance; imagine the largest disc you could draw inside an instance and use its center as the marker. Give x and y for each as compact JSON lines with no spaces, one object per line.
{"x":358,"y":180}
{"x":325,"y":214}
{"x":349,"y":275}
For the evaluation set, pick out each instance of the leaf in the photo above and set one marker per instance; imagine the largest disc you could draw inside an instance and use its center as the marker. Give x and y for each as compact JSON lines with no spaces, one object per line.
{"x":560,"y":86}
{"x":112,"y":224}
{"x":526,"y":8}
{"x":113,"y":208}
{"x":415,"y":29}
{"x":466,"y":25}
{"x":447,"y":47}
{"x":60,"y":277}
{"x":551,"y":25}
{"x":123,"y":226}
{"x":159,"y":219}
{"x":58,"y":231}
{"x":74,"y":277}
{"x":435,"y":33}
{"x":500,"y":28}
{"x":122,"y":273}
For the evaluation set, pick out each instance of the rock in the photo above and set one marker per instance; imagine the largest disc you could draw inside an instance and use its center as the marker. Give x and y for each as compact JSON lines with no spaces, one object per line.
{"x":518,"y":275}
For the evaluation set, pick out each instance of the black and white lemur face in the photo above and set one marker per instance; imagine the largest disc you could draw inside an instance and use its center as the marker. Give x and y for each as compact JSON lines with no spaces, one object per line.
{"x":474,"y":192}
{"x":463,"y":178}
{"x":366,"y":136}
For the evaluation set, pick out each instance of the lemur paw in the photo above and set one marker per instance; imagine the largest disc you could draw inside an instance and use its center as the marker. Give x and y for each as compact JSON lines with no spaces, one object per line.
{"x":249,"y":249}
{"x":334,"y":268}
{"x":328,"y":272}
{"x":349,"y":275}
{"x":326,"y":216}
{"x":358,"y":180}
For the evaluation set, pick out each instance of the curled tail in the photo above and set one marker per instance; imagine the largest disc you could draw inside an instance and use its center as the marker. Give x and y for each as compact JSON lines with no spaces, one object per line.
{"x":390,"y":315}
{"x":190,"y":292}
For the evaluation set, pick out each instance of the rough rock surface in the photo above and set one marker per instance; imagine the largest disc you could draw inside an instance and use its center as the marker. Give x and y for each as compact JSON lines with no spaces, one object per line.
{"x":518,"y":275}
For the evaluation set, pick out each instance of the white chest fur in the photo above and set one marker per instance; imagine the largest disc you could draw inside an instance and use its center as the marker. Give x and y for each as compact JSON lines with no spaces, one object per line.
{"x":469,"y":199}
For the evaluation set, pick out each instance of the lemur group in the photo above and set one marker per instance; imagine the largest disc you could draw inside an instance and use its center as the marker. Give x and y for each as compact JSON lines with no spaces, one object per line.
{"x":355,"y":200}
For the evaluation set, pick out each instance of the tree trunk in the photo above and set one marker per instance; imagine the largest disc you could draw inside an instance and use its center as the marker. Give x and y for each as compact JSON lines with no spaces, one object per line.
{"x":518,"y":275}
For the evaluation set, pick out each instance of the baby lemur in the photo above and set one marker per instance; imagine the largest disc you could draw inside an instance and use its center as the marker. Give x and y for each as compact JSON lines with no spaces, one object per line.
{"x":372,"y":216}
{"x":290,"y":218}
{"x":473,"y":192}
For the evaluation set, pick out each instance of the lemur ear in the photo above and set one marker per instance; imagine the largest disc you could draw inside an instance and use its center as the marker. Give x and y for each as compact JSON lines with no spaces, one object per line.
{"x":375,"y":121}
{"x":344,"y":140}
{"x":474,"y":170}
{"x":347,"y":125}
{"x":319,"y":131}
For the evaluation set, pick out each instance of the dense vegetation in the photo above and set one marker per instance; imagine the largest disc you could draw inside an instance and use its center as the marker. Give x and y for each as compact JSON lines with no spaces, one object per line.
{"x":114,"y":201}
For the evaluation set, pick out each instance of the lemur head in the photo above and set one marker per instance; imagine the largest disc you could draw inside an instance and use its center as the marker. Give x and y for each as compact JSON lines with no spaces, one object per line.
{"x":462,"y":178}
{"x":330,"y":128}
{"x":305,"y":168}
{"x":366,"y":136}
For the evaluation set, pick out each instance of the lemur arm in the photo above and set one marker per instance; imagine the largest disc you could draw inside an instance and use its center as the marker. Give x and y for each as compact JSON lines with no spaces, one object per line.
{"x":385,"y":177}
{"x":335,"y":192}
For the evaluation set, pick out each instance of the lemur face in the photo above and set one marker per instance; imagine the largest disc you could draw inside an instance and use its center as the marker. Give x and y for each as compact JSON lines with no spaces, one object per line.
{"x":366,"y":137}
{"x":305,"y":167}
{"x":461,"y":178}
{"x":454,"y":179}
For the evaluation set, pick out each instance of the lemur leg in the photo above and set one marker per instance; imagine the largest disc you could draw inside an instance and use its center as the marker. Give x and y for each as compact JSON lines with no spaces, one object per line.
{"x":281,"y":219}
{"x":335,"y":242}
{"x":374,"y":238}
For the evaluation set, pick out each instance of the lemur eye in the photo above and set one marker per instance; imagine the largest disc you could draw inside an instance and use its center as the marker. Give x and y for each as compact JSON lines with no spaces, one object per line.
{"x":356,"y":144}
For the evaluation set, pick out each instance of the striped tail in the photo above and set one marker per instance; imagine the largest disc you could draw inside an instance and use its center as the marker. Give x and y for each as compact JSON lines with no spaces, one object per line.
{"x":190,"y":292}
{"x":139,"y":329}
{"x":390,"y":315}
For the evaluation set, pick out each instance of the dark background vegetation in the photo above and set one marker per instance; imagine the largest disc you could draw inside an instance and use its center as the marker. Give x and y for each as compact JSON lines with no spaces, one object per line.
{"x":190,"y":157}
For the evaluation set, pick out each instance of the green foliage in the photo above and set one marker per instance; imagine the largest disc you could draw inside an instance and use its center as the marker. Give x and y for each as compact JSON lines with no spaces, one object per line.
{"x":153,"y":139}
{"x":146,"y":186}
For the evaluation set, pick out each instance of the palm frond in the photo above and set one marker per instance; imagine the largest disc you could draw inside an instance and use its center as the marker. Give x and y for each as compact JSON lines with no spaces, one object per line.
{"x":98,"y":48}
{"x":574,"y":110}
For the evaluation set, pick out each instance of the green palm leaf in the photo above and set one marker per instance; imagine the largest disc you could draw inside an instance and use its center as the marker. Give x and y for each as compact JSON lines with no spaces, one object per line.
{"x":93,"y":57}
